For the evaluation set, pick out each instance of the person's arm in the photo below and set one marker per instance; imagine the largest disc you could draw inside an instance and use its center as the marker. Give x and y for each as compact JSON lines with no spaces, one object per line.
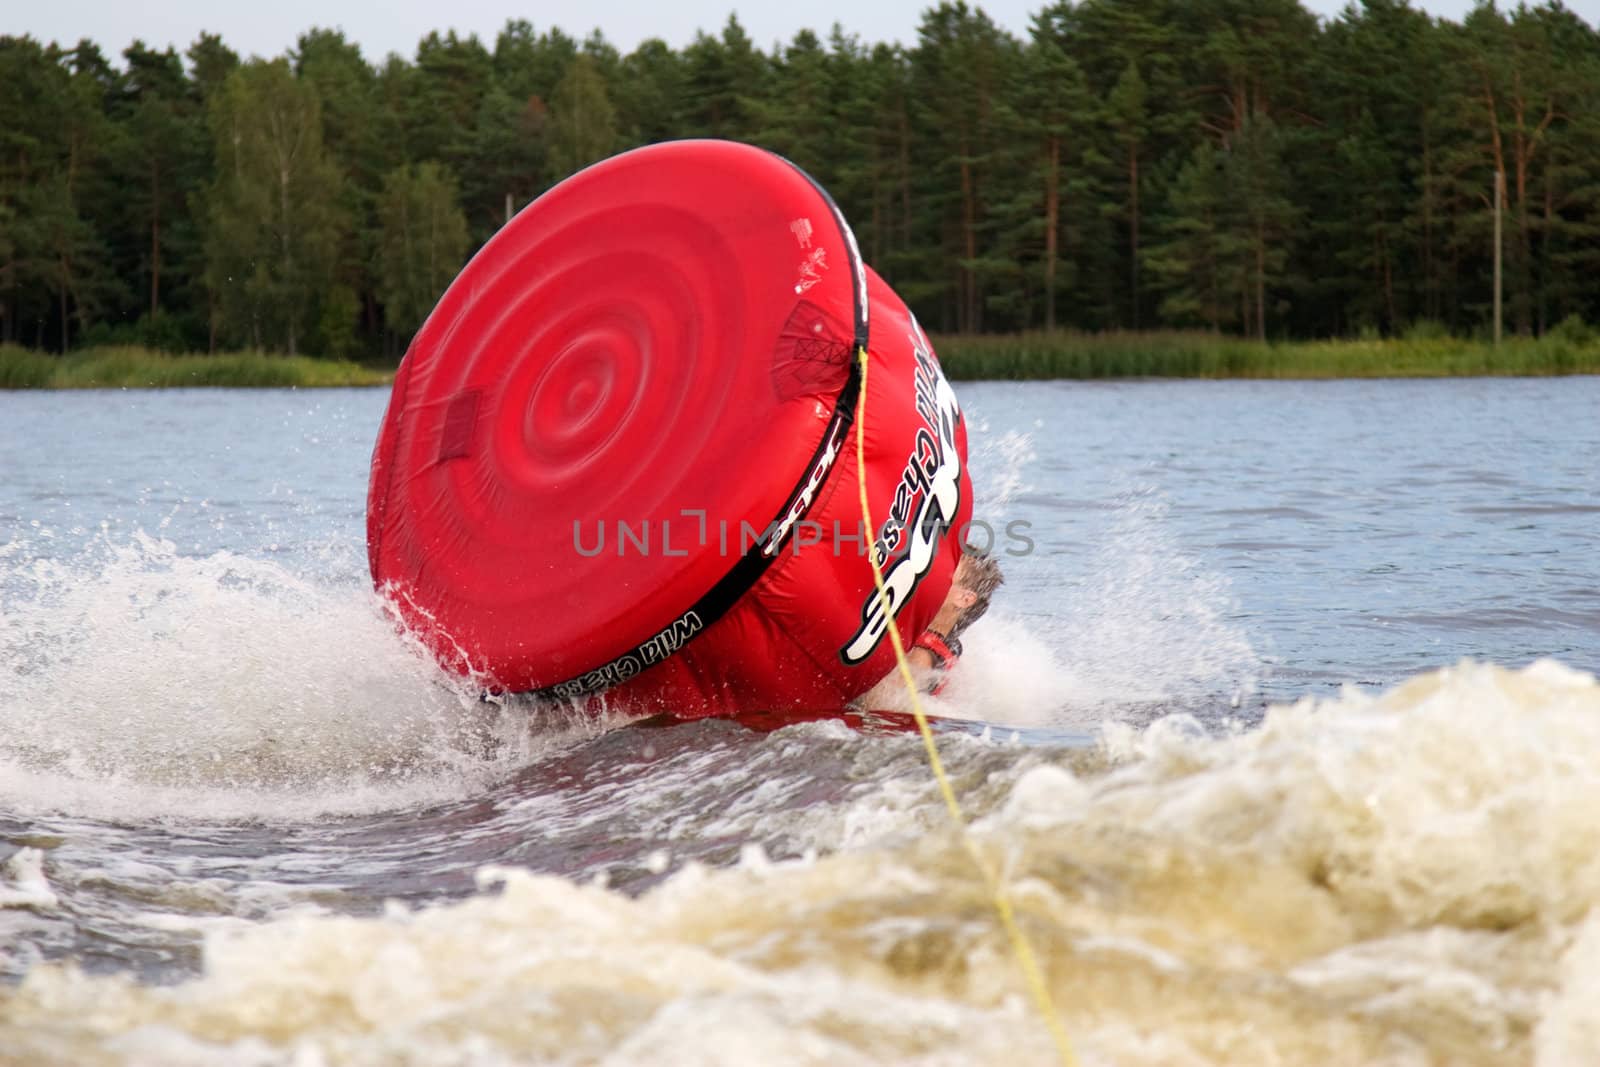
{"x":934,"y":649}
{"x":927,"y":665}
{"x":937,"y":654}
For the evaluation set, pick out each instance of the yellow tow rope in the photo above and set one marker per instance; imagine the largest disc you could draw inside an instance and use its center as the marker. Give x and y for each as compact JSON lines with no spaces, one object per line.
{"x":997,"y":890}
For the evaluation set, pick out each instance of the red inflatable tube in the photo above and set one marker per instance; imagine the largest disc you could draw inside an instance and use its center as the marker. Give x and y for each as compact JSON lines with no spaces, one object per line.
{"x":619,"y":457}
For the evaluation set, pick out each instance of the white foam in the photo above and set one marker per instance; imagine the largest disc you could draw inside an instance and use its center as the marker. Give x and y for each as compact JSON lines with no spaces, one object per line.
{"x":23,"y":883}
{"x":1009,"y":675}
{"x":1569,"y":1031}
{"x":143,"y":683}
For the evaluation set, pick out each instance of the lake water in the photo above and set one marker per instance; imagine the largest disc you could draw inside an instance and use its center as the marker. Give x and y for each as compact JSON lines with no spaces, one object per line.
{"x":1304,"y":767}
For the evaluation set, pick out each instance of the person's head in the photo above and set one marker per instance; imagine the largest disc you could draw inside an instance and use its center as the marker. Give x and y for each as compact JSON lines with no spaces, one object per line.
{"x":977,"y":577}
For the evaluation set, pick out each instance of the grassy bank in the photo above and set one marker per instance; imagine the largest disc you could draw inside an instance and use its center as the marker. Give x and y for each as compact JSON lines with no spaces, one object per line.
{"x":1567,"y":350}
{"x":143,"y":368}
{"x":1203,"y":355}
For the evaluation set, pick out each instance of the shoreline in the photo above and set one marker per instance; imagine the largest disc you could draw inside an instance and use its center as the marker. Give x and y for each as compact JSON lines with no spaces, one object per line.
{"x":140,"y":368}
{"x":1203,"y":356}
{"x":997,"y":357}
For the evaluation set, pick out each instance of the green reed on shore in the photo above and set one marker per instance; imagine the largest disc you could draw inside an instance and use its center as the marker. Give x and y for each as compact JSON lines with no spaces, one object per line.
{"x":1050,"y":355}
{"x":130,"y":367}
{"x":1570,"y":349}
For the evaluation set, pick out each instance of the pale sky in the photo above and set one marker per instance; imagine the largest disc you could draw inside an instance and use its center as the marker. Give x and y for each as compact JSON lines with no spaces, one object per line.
{"x":269,"y":28}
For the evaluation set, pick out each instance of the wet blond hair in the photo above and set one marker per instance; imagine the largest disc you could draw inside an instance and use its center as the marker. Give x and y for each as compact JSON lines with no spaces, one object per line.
{"x":979,"y":572}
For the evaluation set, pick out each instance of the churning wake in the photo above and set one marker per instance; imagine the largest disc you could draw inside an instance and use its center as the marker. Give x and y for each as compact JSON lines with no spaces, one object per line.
{"x":1403,"y":878}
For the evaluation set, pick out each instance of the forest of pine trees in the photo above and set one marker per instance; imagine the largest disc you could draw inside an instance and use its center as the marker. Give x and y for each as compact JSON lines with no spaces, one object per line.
{"x":1231,"y":165}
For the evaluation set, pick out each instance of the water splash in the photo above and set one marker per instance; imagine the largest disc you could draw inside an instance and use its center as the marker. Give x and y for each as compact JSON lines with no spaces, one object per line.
{"x":1003,"y":461}
{"x":142,"y":682}
{"x":1007,"y":675}
{"x":1150,"y":625}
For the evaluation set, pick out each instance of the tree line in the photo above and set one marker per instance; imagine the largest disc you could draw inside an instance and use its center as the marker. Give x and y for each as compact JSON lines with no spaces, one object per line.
{"x":1233,"y":165}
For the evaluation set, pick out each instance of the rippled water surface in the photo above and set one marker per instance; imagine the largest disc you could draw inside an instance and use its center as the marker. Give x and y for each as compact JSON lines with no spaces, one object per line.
{"x":1295,"y":759}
